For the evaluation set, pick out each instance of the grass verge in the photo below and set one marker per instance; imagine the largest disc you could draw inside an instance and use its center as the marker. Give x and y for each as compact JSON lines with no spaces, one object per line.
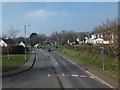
{"x":14,"y":62}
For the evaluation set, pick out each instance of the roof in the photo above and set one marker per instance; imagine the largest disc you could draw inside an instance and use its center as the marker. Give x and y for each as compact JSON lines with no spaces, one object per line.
{"x":2,"y":43}
{"x":22,"y":44}
{"x":9,"y":41}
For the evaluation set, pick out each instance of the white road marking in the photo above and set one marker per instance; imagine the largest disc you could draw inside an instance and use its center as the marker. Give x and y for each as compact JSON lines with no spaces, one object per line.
{"x":88,"y":72}
{"x":91,"y":76}
{"x":48,"y":75}
{"x":63,"y":74}
{"x":69,"y":60}
{"x":67,"y":75}
{"x":83,"y":76}
{"x":101,"y":80}
{"x":74,"y":75}
{"x":56,"y":62}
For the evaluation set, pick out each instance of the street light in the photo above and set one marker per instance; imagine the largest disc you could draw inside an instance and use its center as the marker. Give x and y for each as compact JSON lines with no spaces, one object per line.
{"x":25,"y":26}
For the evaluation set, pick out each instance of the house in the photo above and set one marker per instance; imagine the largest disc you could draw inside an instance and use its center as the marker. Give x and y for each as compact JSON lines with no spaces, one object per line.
{"x":22,"y":44}
{"x":9,"y":42}
{"x":71,"y":42}
{"x":2,"y":43}
{"x":102,"y":37}
{"x":36,"y":46}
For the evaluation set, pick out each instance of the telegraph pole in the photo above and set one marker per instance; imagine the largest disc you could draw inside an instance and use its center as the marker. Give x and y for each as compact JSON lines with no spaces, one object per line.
{"x":25,"y":26}
{"x":25,"y":41}
{"x":118,"y":45}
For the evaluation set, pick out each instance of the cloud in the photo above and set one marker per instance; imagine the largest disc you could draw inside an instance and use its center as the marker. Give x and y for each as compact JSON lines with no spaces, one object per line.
{"x":41,"y":13}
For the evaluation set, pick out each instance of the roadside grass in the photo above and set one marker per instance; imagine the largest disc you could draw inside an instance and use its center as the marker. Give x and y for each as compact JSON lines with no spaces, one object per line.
{"x":96,"y":61}
{"x":14,"y":62}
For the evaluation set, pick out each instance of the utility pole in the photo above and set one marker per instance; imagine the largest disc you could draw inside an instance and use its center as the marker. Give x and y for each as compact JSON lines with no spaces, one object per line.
{"x":58,"y":44}
{"x":118,"y":48}
{"x":25,"y":41}
{"x":102,"y":52}
{"x":25,"y":26}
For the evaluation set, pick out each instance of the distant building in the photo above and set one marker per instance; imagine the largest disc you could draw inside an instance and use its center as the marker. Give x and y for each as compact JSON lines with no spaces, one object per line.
{"x":102,"y":37}
{"x":2,"y":43}
{"x":9,"y":42}
{"x":36,"y":46}
{"x":71,"y":42}
{"x":22,"y":44}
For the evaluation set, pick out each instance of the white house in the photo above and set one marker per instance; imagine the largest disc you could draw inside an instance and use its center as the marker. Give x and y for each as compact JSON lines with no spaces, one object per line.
{"x":2,"y":43}
{"x":99,"y":40}
{"x":70,"y":43}
{"x":96,"y":40}
{"x":36,"y":46}
{"x":22,"y":44}
{"x":78,"y":40}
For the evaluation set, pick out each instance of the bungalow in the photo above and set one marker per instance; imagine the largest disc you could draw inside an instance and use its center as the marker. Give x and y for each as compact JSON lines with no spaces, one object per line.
{"x":9,"y":42}
{"x":22,"y":44}
{"x":2,"y":43}
{"x":36,"y":46}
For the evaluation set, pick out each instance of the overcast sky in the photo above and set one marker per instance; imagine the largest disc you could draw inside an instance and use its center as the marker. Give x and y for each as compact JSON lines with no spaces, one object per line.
{"x":47,"y":17}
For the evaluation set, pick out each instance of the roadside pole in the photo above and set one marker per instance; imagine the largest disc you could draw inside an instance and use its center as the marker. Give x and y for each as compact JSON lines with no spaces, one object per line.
{"x":8,"y":51}
{"x":25,"y":26}
{"x":102,"y":53}
{"x":118,"y":56}
{"x":25,"y":41}
{"x":118,"y":46}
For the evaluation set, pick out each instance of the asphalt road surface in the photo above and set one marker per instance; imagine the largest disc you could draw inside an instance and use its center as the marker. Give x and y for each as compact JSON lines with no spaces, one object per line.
{"x":52,"y":71}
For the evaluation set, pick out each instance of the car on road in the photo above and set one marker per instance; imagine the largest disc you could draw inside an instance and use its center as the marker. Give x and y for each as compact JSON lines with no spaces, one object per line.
{"x":49,"y":49}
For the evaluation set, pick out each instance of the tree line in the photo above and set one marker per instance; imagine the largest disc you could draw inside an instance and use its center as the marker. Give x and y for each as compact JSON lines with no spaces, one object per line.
{"x":63,"y":36}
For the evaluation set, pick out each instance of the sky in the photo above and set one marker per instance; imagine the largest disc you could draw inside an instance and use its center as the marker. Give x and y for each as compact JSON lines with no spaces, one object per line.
{"x":60,"y":0}
{"x":47,"y":17}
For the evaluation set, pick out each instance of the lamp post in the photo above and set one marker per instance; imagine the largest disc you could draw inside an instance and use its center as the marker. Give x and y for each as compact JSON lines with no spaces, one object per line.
{"x":25,"y":27}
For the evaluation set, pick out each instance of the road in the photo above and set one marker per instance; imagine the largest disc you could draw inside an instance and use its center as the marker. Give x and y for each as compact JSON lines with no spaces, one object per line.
{"x":52,"y":71}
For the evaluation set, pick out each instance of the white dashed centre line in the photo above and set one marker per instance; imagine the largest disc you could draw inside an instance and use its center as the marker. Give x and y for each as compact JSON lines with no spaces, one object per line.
{"x":83,"y":76}
{"x":75,"y":75}
{"x":63,"y":74}
{"x":48,"y":75}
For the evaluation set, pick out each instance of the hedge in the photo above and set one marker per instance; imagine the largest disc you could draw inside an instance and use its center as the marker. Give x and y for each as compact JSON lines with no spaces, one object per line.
{"x":95,"y":49}
{"x":14,"y":50}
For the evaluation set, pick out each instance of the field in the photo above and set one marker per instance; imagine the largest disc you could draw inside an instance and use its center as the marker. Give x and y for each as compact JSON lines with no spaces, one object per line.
{"x":14,"y":62}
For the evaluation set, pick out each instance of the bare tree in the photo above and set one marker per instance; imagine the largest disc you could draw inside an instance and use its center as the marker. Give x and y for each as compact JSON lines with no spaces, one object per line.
{"x":12,"y":33}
